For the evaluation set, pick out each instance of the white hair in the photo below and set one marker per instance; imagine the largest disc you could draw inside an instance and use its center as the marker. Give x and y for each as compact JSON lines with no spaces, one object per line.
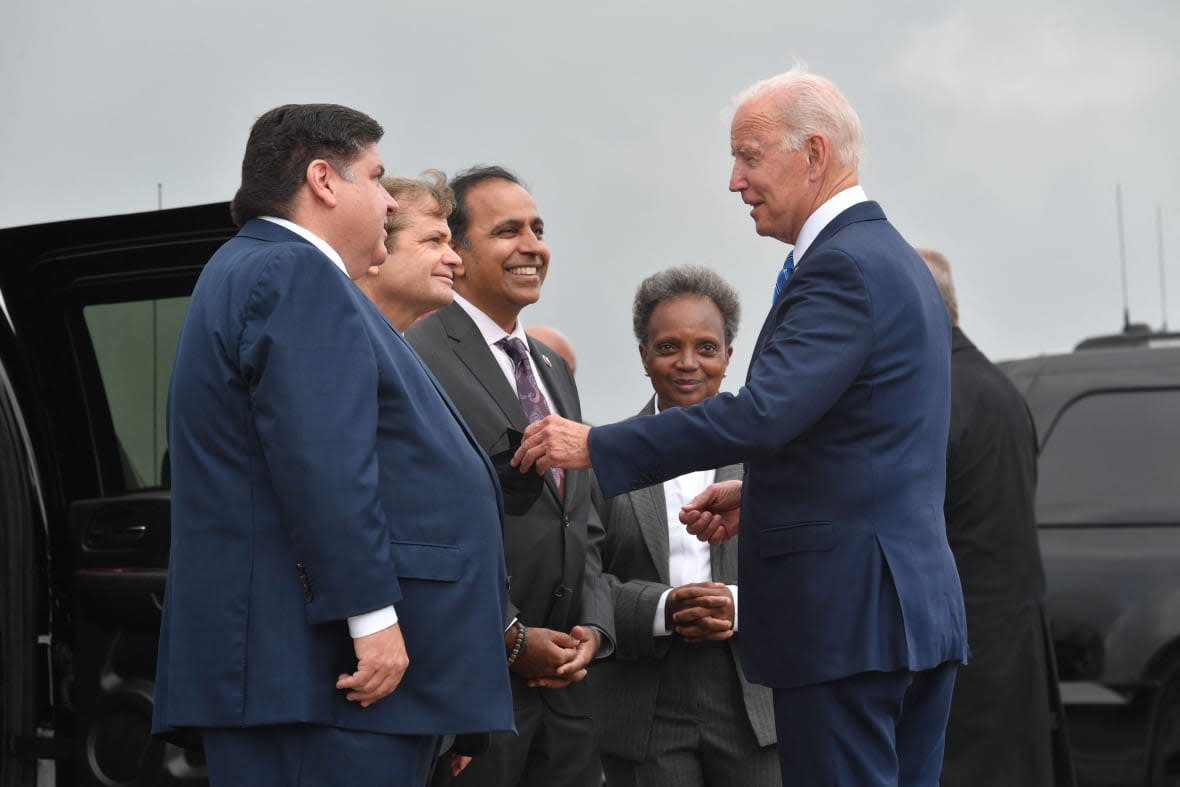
{"x":809,"y":104}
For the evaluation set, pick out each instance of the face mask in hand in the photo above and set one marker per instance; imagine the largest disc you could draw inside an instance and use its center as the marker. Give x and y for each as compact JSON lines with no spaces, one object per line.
{"x":521,"y":490}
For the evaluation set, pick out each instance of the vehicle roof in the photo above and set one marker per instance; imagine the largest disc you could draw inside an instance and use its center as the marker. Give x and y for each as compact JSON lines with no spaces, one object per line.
{"x":1050,"y":382}
{"x":22,"y":247}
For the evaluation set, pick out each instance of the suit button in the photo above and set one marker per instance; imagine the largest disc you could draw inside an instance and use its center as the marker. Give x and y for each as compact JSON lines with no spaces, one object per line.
{"x":565,"y":521}
{"x":559,"y":592}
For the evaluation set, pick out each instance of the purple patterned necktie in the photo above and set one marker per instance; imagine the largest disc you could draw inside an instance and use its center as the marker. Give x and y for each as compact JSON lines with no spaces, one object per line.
{"x":527,"y":390}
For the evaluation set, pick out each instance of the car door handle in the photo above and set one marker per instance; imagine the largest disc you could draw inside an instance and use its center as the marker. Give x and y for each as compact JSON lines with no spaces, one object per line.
{"x":105,"y":536}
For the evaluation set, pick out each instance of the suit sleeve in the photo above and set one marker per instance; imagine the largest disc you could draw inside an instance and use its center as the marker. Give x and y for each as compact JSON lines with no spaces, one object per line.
{"x":634,"y":601}
{"x":597,"y":609}
{"x":306,"y":355}
{"x":820,"y":340}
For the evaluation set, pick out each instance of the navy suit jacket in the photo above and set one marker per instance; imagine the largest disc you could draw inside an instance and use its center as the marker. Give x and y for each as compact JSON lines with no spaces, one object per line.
{"x":319,"y":472}
{"x":844,"y":564}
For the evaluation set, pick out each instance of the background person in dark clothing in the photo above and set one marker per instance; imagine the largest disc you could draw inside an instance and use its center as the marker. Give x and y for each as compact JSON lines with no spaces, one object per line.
{"x":1001,"y":723}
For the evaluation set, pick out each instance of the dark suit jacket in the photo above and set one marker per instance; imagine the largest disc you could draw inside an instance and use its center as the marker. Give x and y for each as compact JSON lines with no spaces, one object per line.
{"x":842,"y":422}
{"x":552,"y":550}
{"x":635,"y":563}
{"x":319,"y":472}
{"x":999,"y":729}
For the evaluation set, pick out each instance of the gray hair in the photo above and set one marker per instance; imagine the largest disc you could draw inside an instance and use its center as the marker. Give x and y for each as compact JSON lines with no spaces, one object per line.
{"x":685,"y":280}
{"x":940,"y":266}
{"x":809,"y":104}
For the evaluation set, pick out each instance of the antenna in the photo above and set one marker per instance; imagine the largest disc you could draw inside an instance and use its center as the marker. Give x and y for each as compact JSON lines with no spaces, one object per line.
{"x":160,"y":196}
{"x":1159,"y":244}
{"x":1118,"y":201}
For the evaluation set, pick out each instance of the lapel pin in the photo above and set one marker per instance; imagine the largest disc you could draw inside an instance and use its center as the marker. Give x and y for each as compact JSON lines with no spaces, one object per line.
{"x":545,"y":358}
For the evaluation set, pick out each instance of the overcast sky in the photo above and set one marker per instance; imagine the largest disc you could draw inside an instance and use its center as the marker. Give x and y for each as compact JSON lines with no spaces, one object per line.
{"x":996,"y":133}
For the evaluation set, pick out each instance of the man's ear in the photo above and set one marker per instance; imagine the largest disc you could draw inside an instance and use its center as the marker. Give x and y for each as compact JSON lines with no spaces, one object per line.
{"x":817,"y":155}
{"x":321,"y":181}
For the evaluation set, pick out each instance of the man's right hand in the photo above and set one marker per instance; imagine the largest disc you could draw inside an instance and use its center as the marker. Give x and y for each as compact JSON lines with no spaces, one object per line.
{"x":381,"y":661}
{"x":545,"y":651}
{"x":713,"y":515}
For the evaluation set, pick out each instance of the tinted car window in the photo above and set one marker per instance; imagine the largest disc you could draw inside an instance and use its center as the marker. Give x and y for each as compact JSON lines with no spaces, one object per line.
{"x":1113,"y":458}
{"x":134,"y":345}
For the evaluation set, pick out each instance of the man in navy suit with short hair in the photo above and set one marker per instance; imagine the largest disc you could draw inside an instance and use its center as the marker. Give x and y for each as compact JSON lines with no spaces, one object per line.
{"x":851,"y":605}
{"x":336,"y":583}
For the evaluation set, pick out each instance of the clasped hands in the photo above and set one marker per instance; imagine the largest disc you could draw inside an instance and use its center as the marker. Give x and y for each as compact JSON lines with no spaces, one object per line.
{"x":700,"y":612}
{"x":552,"y":659}
{"x":553,"y":441}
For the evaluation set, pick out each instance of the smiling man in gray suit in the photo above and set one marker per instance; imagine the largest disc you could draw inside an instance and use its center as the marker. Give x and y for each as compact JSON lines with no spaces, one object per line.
{"x":560,"y":614}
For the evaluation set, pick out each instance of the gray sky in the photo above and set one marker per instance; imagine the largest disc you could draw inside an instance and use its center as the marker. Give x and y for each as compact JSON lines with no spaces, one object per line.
{"x":996,"y":133}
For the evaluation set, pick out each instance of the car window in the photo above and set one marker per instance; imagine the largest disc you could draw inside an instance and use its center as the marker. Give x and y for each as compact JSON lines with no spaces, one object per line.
{"x":135,"y":343}
{"x":1112,"y":458}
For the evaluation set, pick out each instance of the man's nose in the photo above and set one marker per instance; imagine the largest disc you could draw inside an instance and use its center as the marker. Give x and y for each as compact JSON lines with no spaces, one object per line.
{"x":531,"y":244}
{"x":737,"y":181}
{"x":391,"y":205}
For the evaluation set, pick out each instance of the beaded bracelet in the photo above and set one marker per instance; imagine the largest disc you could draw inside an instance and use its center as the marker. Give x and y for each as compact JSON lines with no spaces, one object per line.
{"x":522,"y":638}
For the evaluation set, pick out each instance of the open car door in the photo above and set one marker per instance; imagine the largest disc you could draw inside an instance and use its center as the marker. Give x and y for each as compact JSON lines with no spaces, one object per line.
{"x":93,"y":310}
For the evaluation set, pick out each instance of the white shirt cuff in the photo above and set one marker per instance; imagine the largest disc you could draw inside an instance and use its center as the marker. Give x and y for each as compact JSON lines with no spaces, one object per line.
{"x":658,"y":628}
{"x":371,"y":622}
{"x":733,"y":592}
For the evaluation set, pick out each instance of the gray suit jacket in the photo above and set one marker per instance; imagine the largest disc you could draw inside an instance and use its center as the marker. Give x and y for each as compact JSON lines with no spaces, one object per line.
{"x":635,"y":562}
{"x":552,"y":551}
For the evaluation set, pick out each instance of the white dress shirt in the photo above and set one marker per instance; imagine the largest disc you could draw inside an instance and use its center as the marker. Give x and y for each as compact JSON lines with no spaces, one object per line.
{"x":369,"y":622}
{"x":836,"y":204}
{"x":689,"y":558}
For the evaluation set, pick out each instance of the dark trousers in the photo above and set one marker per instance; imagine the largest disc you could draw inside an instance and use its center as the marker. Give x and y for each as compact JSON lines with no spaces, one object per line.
{"x":551,"y":750}
{"x":303,"y":755}
{"x":700,"y":736}
{"x":875,"y":729}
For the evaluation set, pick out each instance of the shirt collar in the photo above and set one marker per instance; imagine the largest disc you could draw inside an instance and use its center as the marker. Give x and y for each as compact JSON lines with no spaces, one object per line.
{"x":488,"y":328}
{"x":836,"y":204}
{"x":312,"y":238}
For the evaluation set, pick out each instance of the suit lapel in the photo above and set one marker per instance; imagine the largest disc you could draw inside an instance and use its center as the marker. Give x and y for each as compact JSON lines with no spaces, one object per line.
{"x":475,"y":354}
{"x":563,"y":400}
{"x":651,"y":512}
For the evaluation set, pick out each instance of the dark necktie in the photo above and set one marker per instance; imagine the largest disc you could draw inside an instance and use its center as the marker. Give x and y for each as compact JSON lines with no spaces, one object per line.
{"x":527,"y":390}
{"x":780,"y":283}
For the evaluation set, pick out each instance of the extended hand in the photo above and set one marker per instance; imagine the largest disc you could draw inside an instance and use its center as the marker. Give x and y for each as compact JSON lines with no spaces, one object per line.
{"x":701,"y":611}
{"x":713,"y":515}
{"x":381,"y":661}
{"x":553,"y":442}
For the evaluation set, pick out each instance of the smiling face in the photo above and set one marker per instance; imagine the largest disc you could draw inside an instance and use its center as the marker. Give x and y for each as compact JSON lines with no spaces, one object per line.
{"x":505,"y":258}
{"x":420,"y":268}
{"x":685,"y":353}
{"x":777,"y":183}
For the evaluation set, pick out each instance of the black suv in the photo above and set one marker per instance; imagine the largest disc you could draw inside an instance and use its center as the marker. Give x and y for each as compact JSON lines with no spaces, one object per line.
{"x":88,"y":327}
{"x":1108,"y":509}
